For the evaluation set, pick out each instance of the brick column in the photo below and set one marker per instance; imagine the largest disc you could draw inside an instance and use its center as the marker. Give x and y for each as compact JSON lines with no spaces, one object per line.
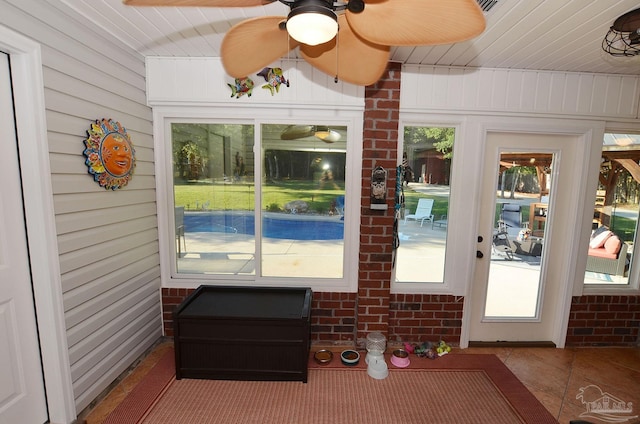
{"x":380,"y":144}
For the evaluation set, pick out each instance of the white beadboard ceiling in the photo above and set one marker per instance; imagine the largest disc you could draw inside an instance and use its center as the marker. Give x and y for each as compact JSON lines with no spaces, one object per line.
{"x":556,"y":35}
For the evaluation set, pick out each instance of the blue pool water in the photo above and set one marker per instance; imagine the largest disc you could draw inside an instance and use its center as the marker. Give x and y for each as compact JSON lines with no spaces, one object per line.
{"x":287,"y":228}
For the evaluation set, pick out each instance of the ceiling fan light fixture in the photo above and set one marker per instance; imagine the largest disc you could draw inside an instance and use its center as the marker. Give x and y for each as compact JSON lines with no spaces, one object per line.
{"x":623,"y":38}
{"x":326,"y":134}
{"x":321,"y":131}
{"x":312,"y":23}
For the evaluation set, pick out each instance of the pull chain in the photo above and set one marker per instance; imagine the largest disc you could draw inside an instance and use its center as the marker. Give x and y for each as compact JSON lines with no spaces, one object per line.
{"x":335,"y":80}
{"x":288,"y":48}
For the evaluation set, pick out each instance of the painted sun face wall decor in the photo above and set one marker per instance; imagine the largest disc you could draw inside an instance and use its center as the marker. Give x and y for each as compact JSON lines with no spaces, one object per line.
{"x":110,"y":155}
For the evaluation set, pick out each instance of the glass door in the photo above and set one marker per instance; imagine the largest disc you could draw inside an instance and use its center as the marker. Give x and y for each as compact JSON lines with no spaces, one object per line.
{"x":521,"y":209}
{"x":519,"y":278}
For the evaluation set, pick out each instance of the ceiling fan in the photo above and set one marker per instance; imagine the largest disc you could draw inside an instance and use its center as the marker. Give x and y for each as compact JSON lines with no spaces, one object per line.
{"x":348,"y":39}
{"x":322,"y":132}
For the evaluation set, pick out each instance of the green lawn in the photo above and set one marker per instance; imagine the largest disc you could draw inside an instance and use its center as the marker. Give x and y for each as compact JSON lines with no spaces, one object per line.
{"x":240,"y":196}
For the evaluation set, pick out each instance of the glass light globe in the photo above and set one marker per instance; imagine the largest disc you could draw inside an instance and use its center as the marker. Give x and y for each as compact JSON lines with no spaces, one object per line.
{"x":313,"y":27}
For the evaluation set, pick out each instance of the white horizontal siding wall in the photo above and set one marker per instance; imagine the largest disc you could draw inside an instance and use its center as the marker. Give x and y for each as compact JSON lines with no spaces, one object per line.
{"x":107,"y":240}
{"x":509,"y":91}
{"x":203,"y":81}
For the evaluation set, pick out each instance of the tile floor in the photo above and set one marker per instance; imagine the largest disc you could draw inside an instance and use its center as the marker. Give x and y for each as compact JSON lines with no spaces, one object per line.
{"x":554,"y":376}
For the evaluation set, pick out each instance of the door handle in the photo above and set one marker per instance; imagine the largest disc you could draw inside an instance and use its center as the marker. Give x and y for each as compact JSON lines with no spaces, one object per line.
{"x":479,"y":254}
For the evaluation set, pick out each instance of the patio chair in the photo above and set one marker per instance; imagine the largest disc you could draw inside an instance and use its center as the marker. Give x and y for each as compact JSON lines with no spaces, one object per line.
{"x":340,"y":206}
{"x":422,"y":213}
{"x":501,"y":244}
{"x":511,"y":218}
{"x":440,"y":223}
{"x":179,"y":218}
{"x":509,"y":225}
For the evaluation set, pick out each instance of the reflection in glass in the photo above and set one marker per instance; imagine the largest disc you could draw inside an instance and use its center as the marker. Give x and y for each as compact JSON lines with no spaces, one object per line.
{"x":213,"y":194}
{"x":298,"y":230}
{"x":615,"y":216}
{"x":422,"y":233}
{"x":521,"y":210}
{"x":303,"y":200}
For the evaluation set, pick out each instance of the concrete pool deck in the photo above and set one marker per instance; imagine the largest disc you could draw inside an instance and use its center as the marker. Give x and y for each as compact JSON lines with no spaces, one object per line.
{"x":220,"y":253}
{"x":228,"y":253}
{"x":421,"y":248}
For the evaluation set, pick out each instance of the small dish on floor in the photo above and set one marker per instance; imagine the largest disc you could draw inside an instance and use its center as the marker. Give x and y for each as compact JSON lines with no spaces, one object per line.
{"x":323,"y":357}
{"x":350,"y":357}
{"x":400,"y":358}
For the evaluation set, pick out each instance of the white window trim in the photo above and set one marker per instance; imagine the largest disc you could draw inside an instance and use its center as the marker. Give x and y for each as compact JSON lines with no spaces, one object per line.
{"x":632,"y":288}
{"x":165,"y":116}
{"x":454,"y":272}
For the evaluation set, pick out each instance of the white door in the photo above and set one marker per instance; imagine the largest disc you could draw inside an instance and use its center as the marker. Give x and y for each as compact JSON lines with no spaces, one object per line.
{"x":517,"y":289}
{"x":22,"y":397}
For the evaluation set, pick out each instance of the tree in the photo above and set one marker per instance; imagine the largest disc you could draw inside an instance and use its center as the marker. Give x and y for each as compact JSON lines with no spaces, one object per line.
{"x":207,"y":150}
{"x":440,"y":137}
{"x":444,"y":140}
{"x":191,"y":157}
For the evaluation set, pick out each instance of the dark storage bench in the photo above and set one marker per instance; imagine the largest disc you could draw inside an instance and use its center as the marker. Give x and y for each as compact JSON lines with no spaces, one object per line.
{"x":243,"y":333}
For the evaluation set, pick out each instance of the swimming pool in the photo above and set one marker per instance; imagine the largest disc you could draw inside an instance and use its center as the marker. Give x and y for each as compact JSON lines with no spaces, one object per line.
{"x":273,"y":226}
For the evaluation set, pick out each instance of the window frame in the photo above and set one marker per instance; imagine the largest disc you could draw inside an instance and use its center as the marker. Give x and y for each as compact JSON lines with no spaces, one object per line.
{"x":454,"y":274}
{"x":633,"y":279}
{"x":256,"y":116}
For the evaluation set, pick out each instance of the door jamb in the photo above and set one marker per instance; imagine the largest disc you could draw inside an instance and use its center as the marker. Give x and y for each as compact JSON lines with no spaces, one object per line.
{"x":31,"y":128}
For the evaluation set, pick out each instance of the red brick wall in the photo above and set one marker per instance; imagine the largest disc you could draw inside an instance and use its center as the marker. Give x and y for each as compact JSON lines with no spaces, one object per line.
{"x":604,"y":320}
{"x":171,"y":298}
{"x":332,"y":314}
{"x":594,"y":320}
{"x":333,"y":317}
{"x":425,"y":317}
{"x":412,"y":317}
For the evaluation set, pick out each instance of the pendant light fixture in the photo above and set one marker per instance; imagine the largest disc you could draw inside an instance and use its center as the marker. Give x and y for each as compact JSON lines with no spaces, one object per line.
{"x":312,"y":22}
{"x":623,"y":38}
{"x":326,"y":134}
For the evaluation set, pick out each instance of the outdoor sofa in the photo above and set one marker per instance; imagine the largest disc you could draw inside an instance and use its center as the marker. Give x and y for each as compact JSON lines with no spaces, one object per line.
{"x":607,"y":253}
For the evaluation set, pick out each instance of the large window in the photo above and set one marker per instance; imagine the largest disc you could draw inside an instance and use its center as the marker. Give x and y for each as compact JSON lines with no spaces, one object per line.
{"x":615,"y":218}
{"x":213,"y":194}
{"x":259,"y":201}
{"x":422,"y":232}
{"x":303,"y":201}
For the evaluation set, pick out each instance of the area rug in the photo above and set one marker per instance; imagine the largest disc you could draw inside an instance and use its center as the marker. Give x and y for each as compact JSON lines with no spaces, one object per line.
{"x":146,"y":393}
{"x":456,"y":388}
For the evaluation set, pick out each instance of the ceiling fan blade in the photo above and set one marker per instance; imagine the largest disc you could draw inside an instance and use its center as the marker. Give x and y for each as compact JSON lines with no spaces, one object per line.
{"x":198,"y":3}
{"x":253,"y":44}
{"x":293,"y":132}
{"x":348,"y":57}
{"x":418,"y":22}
